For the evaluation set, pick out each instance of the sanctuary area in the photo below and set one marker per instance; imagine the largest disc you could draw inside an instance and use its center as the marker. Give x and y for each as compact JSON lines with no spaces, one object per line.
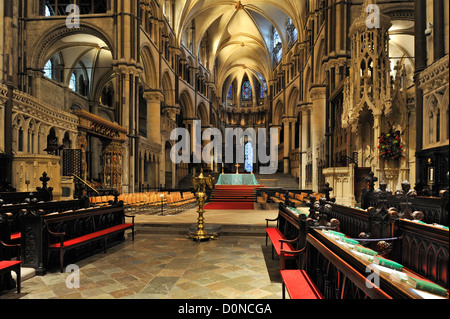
{"x":205,"y":149}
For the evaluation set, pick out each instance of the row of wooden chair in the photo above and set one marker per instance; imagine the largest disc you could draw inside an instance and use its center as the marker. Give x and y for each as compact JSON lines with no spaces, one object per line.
{"x":101,"y":200}
{"x":278,"y":198}
{"x":263,"y":198}
{"x":302,"y":198}
{"x":297,"y":199}
{"x":179,"y":199}
{"x":147,"y":199}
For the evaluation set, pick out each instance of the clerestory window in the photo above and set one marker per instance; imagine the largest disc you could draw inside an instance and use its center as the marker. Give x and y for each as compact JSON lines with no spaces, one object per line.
{"x":60,"y":7}
{"x":246,"y":91}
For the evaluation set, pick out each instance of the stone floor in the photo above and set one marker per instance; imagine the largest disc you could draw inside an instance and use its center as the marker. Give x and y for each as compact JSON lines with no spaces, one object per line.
{"x":170,"y":265}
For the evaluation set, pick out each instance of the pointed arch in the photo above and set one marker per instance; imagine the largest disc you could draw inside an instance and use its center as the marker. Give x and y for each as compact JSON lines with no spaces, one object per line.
{"x":186,"y":105}
{"x":202,"y":114}
{"x":292,"y":102}
{"x":149,"y":66}
{"x":168,"y":90}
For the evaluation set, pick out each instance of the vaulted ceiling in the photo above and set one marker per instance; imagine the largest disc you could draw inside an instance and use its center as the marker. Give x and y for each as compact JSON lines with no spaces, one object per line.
{"x":239,"y":33}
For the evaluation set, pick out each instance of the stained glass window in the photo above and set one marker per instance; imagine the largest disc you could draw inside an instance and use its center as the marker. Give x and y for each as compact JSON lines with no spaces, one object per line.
{"x":246,"y":91}
{"x":230,"y":93}
{"x":248,"y":157}
{"x":292,"y":30}
{"x":276,"y":38}
{"x":261,"y":93}
{"x":277,"y":48}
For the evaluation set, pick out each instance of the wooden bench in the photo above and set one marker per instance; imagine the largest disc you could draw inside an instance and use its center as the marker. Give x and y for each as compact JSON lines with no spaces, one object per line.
{"x":89,"y":225}
{"x":289,"y":232}
{"x":60,"y":232}
{"x":298,"y":285}
{"x":6,"y":266}
{"x":10,"y":214}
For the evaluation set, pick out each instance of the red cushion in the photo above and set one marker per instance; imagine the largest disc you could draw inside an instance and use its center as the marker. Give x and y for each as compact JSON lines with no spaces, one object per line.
{"x":275,"y":235}
{"x":8,"y":263}
{"x":299,"y":285}
{"x":16,"y":236}
{"x":93,"y":235}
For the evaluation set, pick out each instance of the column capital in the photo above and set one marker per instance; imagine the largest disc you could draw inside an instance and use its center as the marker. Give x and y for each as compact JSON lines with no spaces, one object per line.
{"x":189,"y":121}
{"x":288,"y":119}
{"x":318,"y":92}
{"x":153,"y":96}
{"x":304,"y":106}
{"x":122,"y":66}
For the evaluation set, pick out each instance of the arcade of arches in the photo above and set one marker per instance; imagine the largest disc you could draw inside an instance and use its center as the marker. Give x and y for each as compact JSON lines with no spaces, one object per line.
{"x":110,"y":90}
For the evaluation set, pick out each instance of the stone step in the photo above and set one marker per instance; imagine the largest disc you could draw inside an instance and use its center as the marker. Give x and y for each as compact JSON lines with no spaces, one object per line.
{"x":185,"y":229}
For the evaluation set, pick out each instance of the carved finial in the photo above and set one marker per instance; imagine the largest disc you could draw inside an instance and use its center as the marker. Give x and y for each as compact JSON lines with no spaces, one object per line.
{"x":326,"y":190}
{"x":384,"y":248}
{"x":371,"y":179}
{"x":239,"y":6}
{"x":44,"y":179}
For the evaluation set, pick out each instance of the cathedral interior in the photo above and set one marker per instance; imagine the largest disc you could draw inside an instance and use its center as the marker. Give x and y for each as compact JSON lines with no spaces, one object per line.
{"x":90,"y":92}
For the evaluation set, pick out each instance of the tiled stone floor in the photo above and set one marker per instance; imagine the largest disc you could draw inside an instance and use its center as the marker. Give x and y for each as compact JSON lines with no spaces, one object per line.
{"x":165,"y":266}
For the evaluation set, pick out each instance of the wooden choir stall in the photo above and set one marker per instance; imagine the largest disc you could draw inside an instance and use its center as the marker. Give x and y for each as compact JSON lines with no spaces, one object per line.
{"x":379,"y":252}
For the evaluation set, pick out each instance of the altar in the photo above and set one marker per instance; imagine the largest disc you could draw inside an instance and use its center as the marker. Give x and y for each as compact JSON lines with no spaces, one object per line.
{"x":237,"y":179}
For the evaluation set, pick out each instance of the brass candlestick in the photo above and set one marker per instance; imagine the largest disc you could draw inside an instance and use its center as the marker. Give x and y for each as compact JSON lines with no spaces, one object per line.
{"x":200,"y":183}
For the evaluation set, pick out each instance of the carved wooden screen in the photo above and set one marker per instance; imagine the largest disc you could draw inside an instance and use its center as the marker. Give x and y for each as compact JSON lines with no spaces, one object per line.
{"x":71,"y":161}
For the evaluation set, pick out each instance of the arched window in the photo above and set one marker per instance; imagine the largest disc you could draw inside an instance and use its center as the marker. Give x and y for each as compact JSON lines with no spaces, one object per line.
{"x":276,"y":38}
{"x":293,"y":33}
{"x":246,"y":91}
{"x":261,"y":93}
{"x":73,"y":82}
{"x":248,"y":157}
{"x":58,"y":7}
{"x":277,"y":46}
{"x":47,"y":11}
{"x":230,"y":92}
{"x":48,"y":69}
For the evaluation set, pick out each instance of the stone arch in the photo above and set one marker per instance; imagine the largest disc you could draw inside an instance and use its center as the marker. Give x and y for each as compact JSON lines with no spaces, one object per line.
{"x":319,"y":74}
{"x":167,"y":88}
{"x":149,"y":66}
{"x":187,"y":105}
{"x":278,"y":113}
{"x":292,"y":102}
{"x":105,"y":80}
{"x":202,"y":114}
{"x":60,"y":31}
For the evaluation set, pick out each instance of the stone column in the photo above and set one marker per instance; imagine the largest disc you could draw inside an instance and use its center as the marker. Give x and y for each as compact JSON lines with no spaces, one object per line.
{"x":376,"y":134}
{"x":287,"y":142}
{"x":318,"y":121}
{"x":420,"y":62}
{"x":305,"y":109}
{"x":300,"y":149}
{"x":438,"y":29}
{"x":142,"y":180}
{"x":154,"y":99}
{"x":268,"y":139}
